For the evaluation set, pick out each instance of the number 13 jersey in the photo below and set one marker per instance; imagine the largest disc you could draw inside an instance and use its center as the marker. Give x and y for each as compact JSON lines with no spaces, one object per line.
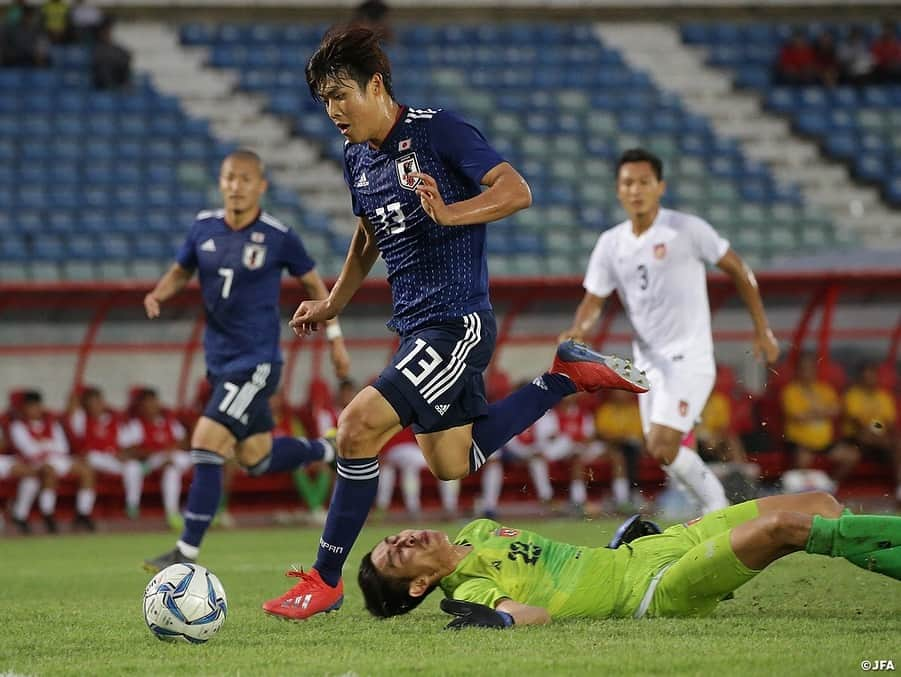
{"x":661,"y":280}
{"x":436,"y":272}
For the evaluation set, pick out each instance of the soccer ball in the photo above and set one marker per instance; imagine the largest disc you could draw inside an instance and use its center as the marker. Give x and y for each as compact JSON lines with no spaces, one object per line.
{"x":185,"y":601}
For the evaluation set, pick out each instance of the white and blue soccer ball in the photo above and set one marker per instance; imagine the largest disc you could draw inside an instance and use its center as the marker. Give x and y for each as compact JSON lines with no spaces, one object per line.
{"x":185,"y":602}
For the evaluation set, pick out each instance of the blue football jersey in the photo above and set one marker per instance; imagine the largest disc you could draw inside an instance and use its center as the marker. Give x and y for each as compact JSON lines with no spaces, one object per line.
{"x":240,"y":280}
{"x":436,"y":272}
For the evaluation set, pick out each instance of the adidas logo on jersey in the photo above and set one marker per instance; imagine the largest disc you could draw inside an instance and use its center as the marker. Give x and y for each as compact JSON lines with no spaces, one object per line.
{"x":208,"y":246}
{"x":442,"y":409}
{"x":362,"y":182}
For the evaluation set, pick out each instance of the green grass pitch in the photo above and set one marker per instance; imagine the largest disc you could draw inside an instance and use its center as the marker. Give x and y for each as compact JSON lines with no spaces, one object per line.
{"x":72,"y":606}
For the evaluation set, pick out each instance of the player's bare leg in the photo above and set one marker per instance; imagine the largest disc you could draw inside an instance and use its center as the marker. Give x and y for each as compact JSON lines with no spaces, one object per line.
{"x":84,"y":499}
{"x":685,"y":467}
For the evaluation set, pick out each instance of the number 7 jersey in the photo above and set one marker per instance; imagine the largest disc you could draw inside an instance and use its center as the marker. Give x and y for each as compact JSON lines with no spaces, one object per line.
{"x":436,"y":272}
{"x":240,"y":280}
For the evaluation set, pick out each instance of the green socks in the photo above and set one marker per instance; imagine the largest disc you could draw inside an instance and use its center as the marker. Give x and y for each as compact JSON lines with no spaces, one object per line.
{"x":871,"y":542}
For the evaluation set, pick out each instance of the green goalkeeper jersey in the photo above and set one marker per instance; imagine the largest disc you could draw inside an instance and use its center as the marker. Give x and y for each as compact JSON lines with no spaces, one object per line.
{"x":567,"y":580}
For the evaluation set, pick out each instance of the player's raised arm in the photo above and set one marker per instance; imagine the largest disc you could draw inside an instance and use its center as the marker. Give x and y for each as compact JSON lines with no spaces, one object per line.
{"x":507,"y":192}
{"x":587,"y":314}
{"x":765,"y":344}
{"x":360,"y":258}
{"x":172,"y":282}
{"x":317,"y":291}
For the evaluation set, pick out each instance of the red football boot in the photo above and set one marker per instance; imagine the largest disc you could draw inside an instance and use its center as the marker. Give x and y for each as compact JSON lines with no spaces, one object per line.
{"x":311,"y":595}
{"x":591,"y":371}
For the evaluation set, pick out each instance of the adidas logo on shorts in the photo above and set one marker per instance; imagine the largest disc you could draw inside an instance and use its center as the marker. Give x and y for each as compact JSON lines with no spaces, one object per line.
{"x":442,"y":409}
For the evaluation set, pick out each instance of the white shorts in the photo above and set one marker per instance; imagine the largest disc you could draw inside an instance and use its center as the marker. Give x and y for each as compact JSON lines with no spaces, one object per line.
{"x":407,"y":455}
{"x":61,"y":464}
{"x":106,"y":462}
{"x":178,"y":458}
{"x":7,"y":463}
{"x":676,"y":396}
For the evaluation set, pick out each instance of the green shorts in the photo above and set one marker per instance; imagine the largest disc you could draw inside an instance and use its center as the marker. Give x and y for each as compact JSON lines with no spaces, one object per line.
{"x":687,"y":569}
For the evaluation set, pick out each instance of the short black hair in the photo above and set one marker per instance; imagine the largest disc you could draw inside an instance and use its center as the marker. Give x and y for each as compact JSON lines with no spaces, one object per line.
{"x":348,"y":52}
{"x":384,"y":596}
{"x":32,"y":397}
{"x":641,"y":155}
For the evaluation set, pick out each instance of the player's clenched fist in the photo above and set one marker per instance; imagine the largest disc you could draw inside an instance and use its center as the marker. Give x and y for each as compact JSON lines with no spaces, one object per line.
{"x":151,"y":306}
{"x":309,"y":315}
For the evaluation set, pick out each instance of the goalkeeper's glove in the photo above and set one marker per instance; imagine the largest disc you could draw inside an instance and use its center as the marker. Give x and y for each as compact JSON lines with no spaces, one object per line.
{"x":632,"y":528}
{"x":472,"y":615}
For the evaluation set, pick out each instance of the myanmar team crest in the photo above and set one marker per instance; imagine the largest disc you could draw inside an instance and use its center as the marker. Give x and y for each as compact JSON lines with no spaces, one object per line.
{"x":406,"y":165}
{"x":254,"y":256}
{"x":683,"y":408}
{"x":659,"y":250}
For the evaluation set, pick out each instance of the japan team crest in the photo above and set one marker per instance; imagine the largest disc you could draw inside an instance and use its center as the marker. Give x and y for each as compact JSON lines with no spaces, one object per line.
{"x":683,"y":408}
{"x":659,"y":251}
{"x":406,"y":165}
{"x":254,"y":256}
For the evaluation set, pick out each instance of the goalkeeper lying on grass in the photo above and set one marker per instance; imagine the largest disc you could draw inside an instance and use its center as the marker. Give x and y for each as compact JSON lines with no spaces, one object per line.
{"x":497,"y":576}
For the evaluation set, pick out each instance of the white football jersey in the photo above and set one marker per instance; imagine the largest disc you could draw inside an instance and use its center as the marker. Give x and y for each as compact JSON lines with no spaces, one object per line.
{"x":662,"y":282}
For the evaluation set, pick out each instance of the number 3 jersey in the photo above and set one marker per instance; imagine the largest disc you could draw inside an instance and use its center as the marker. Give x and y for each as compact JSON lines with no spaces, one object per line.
{"x":567,"y":580}
{"x":661,"y":280}
{"x":240,"y":280}
{"x":436,"y":272}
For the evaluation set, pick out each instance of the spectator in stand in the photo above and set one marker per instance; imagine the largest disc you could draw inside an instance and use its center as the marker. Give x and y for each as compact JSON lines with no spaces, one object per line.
{"x":24,"y":43}
{"x":528,"y":447}
{"x":56,"y":20}
{"x":825,"y":59}
{"x":12,"y":467}
{"x":717,"y":440}
{"x":402,"y":455}
{"x":574,"y":442}
{"x":85,"y":21}
{"x":99,"y":436}
{"x":869,"y":424}
{"x":855,"y":60}
{"x":112,"y":62}
{"x":810,"y":405}
{"x":797,"y":62}
{"x":41,"y":443}
{"x":617,"y":423}
{"x":156,"y":437}
{"x":313,"y":481}
{"x":887,"y":54}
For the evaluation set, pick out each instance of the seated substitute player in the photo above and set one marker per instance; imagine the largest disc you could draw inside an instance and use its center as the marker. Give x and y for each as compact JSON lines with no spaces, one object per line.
{"x":239,"y":253}
{"x":12,"y":467}
{"x":416,"y":177}
{"x":98,"y":434}
{"x":41,"y":443}
{"x":498,"y":576}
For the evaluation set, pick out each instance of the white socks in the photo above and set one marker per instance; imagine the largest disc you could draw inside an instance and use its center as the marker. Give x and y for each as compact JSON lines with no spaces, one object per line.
{"x":133,"y":481}
{"x":25,"y":495}
{"x":620,"y":488}
{"x":84,"y":501}
{"x":170,"y":484}
{"x":450,"y":493}
{"x":410,"y":484}
{"x":387,"y":478}
{"x":578,"y":493}
{"x":702,"y":485}
{"x":540,"y":478}
{"x":492,"y":482}
{"x":47,"y":501}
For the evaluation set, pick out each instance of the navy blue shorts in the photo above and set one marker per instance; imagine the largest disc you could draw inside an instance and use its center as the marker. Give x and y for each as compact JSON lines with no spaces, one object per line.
{"x":240,"y":400}
{"x":435,"y":380}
